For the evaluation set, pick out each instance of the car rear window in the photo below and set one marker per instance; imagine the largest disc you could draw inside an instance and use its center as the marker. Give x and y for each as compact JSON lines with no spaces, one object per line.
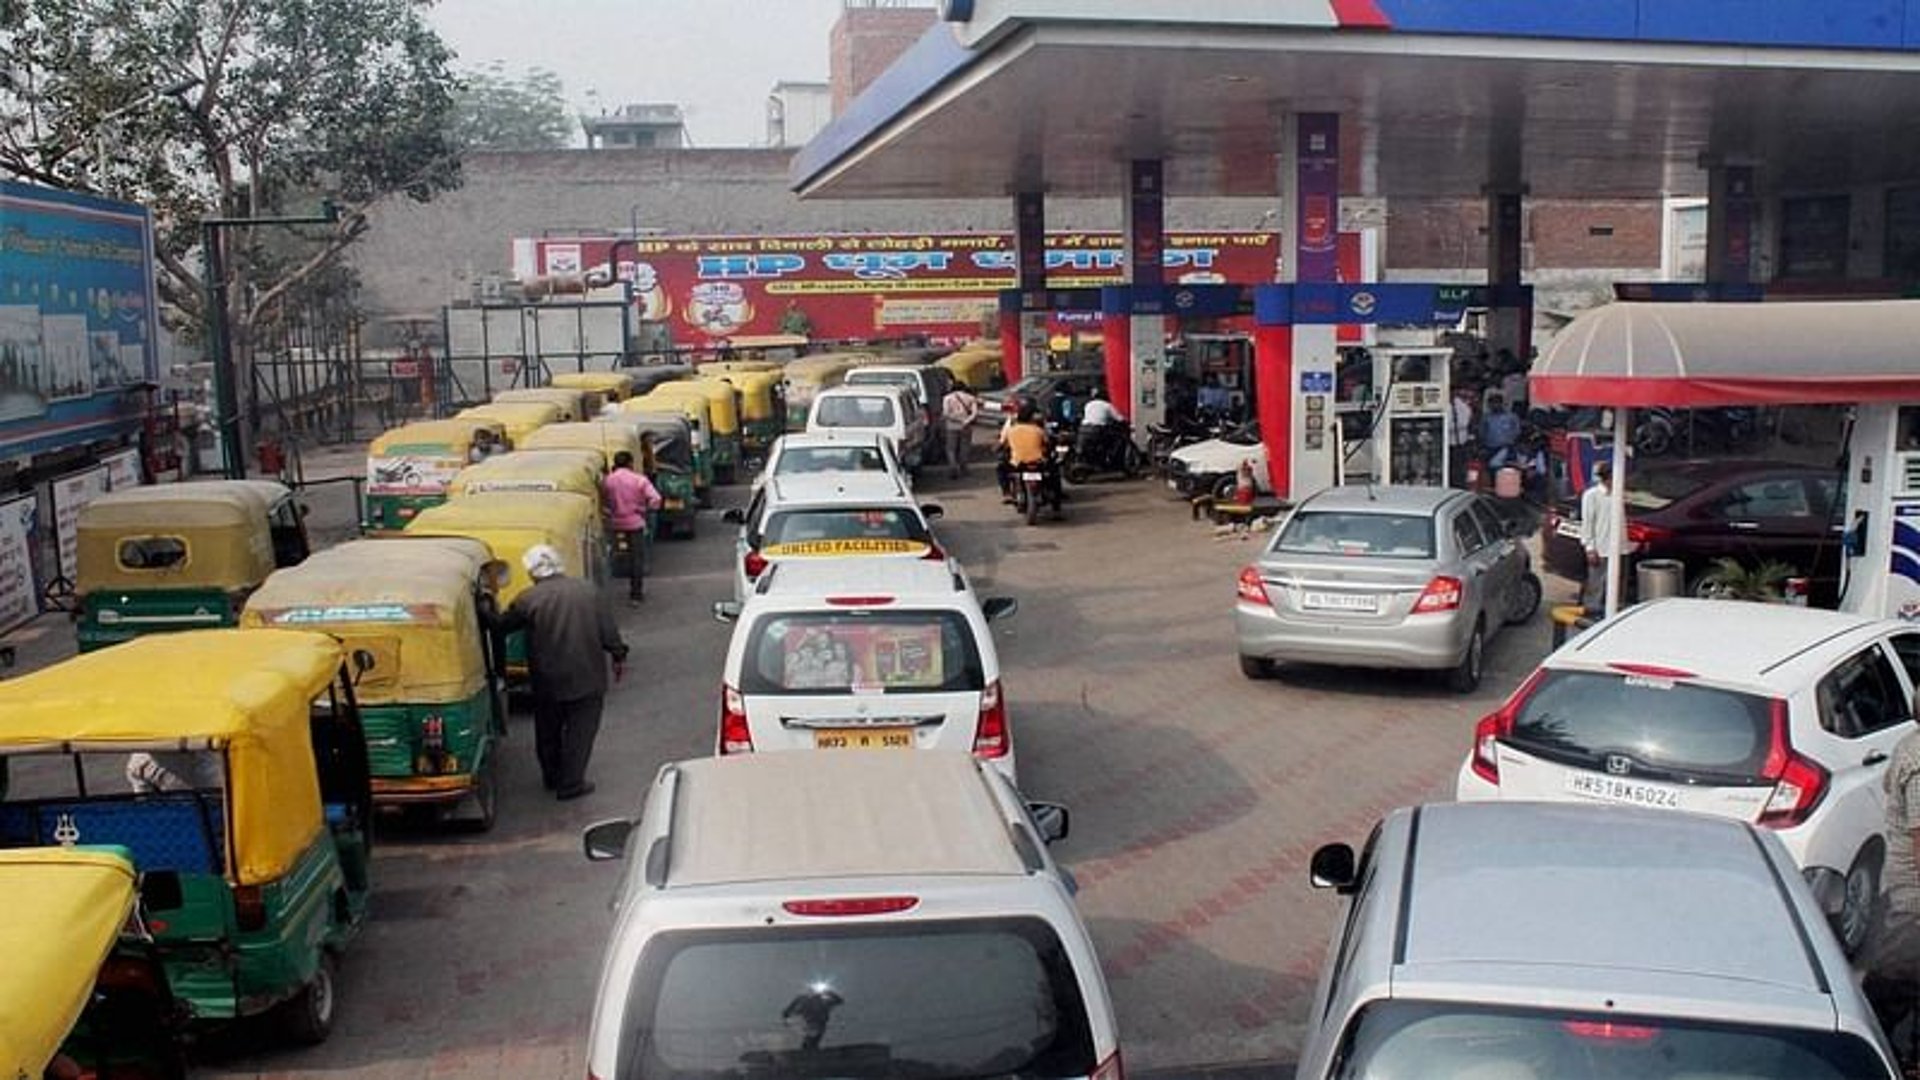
{"x":844,"y":523}
{"x":929,"y":1000}
{"x":1580,"y":717}
{"x":894,"y":652}
{"x":1656,"y":490}
{"x":865,"y":410}
{"x":1411,"y":1038}
{"x":1337,"y":532}
{"x":813,"y":459}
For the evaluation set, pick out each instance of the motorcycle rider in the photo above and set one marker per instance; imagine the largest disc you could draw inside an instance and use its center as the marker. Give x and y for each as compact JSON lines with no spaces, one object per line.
{"x":1100,"y":425}
{"x":1025,"y":441}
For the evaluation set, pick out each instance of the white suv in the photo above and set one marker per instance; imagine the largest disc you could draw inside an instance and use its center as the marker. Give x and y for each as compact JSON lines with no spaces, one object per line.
{"x":801,"y":916}
{"x":871,"y":514}
{"x":890,"y":410}
{"x":881,"y":655}
{"x":1776,"y":715}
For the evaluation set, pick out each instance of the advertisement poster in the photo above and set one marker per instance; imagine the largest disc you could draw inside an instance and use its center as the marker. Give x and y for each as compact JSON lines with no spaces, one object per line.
{"x":123,"y":470}
{"x":840,"y":657}
{"x":411,"y":474}
{"x":862,"y":286}
{"x":71,"y":494}
{"x":17,"y":600}
{"x":77,"y":317}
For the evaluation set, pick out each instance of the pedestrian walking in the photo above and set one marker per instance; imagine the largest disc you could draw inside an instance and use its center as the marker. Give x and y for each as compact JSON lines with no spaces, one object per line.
{"x":629,"y":495}
{"x":958,"y":410}
{"x":568,"y":626}
{"x":1600,"y":536}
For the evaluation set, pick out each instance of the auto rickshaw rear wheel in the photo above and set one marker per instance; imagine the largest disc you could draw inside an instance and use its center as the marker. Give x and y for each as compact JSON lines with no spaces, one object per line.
{"x":480,"y":810}
{"x":308,"y":1018}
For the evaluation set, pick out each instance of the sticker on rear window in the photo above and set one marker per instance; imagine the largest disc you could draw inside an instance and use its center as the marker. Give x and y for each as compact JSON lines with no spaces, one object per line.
{"x":1648,"y":682}
{"x":845,"y":547}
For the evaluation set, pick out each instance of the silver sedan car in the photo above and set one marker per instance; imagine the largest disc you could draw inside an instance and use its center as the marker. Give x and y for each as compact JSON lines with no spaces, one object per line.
{"x":1385,"y":577}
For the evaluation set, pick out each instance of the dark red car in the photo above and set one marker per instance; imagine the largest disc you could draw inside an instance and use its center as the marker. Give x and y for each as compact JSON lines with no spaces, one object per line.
{"x":1700,"y":511}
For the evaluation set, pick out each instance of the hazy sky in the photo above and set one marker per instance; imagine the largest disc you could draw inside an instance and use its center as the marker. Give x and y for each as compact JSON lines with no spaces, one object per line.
{"x":715,"y":58}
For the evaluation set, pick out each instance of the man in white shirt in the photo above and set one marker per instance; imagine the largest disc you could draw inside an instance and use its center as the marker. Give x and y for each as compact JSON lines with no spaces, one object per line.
{"x":1099,"y":423}
{"x":1599,"y":535}
{"x":958,"y":410}
{"x":1100,"y":412}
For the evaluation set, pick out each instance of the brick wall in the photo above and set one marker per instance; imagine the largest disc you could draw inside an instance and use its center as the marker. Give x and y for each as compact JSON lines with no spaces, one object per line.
{"x":865,"y":41}
{"x":1559,"y":235}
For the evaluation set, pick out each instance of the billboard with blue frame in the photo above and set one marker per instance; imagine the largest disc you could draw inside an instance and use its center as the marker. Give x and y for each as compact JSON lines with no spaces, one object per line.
{"x":78,"y":318}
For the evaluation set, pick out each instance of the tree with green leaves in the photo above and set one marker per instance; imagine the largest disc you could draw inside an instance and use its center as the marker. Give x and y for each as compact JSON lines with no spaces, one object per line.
{"x":497,"y":111}
{"x":236,"y":108}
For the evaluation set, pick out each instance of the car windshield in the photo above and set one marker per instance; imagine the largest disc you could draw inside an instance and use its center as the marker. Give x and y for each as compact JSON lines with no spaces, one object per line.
{"x":1657,"y":489}
{"x":1438,"y":1041}
{"x":1673,"y":725}
{"x":882,"y":378}
{"x":849,"y":410}
{"x":1339,"y":532}
{"x":844,"y":523}
{"x":814,"y":459}
{"x":867,"y":651}
{"x":1030,"y":386}
{"x":815,"y":1002}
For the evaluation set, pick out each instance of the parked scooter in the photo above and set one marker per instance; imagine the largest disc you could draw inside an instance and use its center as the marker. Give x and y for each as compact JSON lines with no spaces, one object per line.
{"x":1180,"y":430}
{"x":1105,"y":448}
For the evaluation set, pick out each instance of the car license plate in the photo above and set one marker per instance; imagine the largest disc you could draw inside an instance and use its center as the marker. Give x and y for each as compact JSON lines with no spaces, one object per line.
{"x":1612,"y":789}
{"x":1568,"y":529}
{"x":1032,"y":477}
{"x":863,"y":739}
{"x":1324,"y":601}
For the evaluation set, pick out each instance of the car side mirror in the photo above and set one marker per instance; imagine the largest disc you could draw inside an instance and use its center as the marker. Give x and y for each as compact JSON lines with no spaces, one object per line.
{"x":363,"y":662}
{"x":1052,"y":819}
{"x":1333,"y":868}
{"x":160,"y":891}
{"x":726,"y":611}
{"x":933,"y":511}
{"x":733,"y":515}
{"x":606,"y":841}
{"x":999,"y":607}
{"x":305,"y":510}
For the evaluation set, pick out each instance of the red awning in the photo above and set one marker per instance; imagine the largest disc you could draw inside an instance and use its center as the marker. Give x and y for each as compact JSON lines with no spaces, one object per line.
{"x":1690,"y":355}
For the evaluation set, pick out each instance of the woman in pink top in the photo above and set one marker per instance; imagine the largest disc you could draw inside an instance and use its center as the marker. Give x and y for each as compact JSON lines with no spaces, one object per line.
{"x":629,"y":496}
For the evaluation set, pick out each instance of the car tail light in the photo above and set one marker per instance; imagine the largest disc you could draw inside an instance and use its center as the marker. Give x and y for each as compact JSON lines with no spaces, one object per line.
{"x":859,"y":905}
{"x":735,"y":736}
{"x":249,"y":907}
{"x":1640,"y":534}
{"x":1443,"y":593}
{"x":1496,"y":726}
{"x":433,"y":734}
{"x":1798,"y":783}
{"x":1110,"y":1069}
{"x":990,"y":734}
{"x":753,"y":563}
{"x":1610,"y":1031}
{"x":1252,"y":587}
{"x":935,"y":552}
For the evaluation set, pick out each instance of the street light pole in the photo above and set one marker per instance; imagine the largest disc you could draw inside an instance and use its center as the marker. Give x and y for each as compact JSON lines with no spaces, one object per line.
{"x":226,"y":389}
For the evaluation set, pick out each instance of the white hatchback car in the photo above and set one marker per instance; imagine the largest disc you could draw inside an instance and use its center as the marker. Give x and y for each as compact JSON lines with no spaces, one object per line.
{"x":890,"y":410}
{"x":869,"y":514}
{"x":840,"y":450}
{"x":1776,"y":715}
{"x":864,"y":654}
{"x":788,"y":915}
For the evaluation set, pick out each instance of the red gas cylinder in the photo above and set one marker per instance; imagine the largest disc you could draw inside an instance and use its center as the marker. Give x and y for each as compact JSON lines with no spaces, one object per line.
{"x":273,"y":458}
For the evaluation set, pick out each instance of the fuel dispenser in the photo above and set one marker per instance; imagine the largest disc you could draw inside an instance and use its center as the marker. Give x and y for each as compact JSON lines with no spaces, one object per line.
{"x":1410,"y":435}
{"x":1880,"y":565}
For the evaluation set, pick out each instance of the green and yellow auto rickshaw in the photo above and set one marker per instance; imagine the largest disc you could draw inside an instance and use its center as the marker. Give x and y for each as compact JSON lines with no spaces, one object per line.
{"x":408,"y":467}
{"x":667,"y":459}
{"x":648,"y":376}
{"x":510,"y":522}
{"x":518,"y":418}
{"x":603,"y":388}
{"x":608,"y":437}
{"x":80,"y":981}
{"x":433,"y":705}
{"x":763,"y":406}
{"x":573,"y":403}
{"x":977,"y":366}
{"x":168,"y":557}
{"x":694,"y":410}
{"x":722,"y":420}
{"x":231,"y":767}
{"x":575,"y":469}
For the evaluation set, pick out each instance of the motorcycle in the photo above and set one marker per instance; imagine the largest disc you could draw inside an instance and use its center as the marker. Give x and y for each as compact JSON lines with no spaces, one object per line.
{"x":1179,"y":431}
{"x":1106,"y":448}
{"x":1034,"y":486}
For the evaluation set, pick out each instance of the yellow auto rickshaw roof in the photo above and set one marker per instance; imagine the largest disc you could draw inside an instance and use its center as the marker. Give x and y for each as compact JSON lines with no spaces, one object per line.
{"x":567,"y":399}
{"x":454,"y":434}
{"x":366,"y":577}
{"x":738,"y":367}
{"x":467,"y":553}
{"x":594,"y":380}
{"x":823,"y":364}
{"x":569,"y":468}
{"x":692,"y":406}
{"x":482,"y":510}
{"x":607,"y":436}
{"x":65,"y":908}
{"x":519,"y":417}
{"x":193,"y":503}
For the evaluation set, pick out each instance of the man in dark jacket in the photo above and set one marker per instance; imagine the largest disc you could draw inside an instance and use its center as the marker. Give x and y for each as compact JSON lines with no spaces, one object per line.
{"x":568,"y":626}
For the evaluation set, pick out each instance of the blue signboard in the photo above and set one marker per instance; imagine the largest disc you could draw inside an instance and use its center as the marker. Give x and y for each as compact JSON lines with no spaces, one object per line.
{"x":1789,"y":24}
{"x":78,"y":317}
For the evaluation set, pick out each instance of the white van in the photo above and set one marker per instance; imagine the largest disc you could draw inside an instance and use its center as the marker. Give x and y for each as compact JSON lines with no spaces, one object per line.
{"x":851,"y":654}
{"x":841,"y":915}
{"x":885,"y":408}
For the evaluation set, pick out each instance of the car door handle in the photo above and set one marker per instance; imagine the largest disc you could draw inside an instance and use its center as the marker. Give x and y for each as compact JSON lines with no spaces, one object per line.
{"x":1874,"y":757}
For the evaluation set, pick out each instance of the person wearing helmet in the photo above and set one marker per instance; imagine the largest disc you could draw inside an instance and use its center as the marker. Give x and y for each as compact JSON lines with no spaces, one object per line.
{"x":568,"y":627}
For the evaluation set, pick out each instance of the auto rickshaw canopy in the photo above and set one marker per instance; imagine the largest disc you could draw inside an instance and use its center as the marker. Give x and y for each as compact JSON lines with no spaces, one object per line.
{"x":247,"y":692}
{"x":559,"y":468}
{"x":693,"y":409}
{"x":739,"y":367}
{"x":612,"y":386}
{"x":223,"y":525}
{"x":724,"y":410}
{"x":519,"y":418}
{"x":672,"y":437}
{"x":414,"y":614}
{"x":434,"y":438}
{"x":510,"y":522}
{"x":572,"y":401}
{"x":648,"y":376}
{"x":607,"y":437}
{"x":65,"y":908}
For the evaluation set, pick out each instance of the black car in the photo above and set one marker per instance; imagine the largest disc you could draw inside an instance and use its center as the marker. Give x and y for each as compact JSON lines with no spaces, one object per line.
{"x":1050,"y":390}
{"x":1700,"y":511}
